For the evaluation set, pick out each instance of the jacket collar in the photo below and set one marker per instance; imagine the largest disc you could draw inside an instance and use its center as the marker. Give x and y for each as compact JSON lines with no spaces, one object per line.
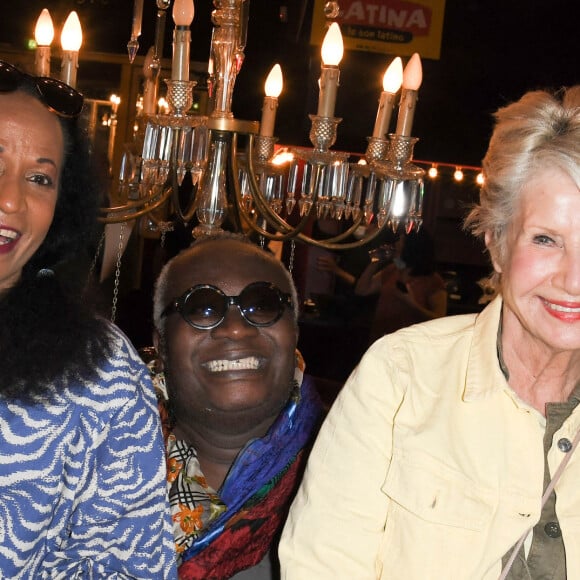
{"x":484,"y":376}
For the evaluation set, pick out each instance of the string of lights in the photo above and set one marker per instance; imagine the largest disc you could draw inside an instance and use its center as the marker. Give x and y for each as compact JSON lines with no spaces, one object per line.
{"x":459,"y":171}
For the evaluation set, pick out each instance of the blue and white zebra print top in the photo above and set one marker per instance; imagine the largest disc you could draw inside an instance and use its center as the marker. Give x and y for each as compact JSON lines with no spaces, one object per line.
{"x":82,"y":479}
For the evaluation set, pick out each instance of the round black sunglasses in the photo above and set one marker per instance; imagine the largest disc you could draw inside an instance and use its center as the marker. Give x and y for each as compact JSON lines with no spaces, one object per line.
{"x":59,"y":97}
{"x":205,"y":306}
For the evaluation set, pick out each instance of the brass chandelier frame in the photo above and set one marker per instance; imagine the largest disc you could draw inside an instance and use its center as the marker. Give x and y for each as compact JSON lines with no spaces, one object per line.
{"x":331,"y":186}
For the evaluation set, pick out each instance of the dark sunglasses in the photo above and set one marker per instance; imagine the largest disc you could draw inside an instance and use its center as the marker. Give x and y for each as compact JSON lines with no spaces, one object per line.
{"x":56,"y":95}
{"x":204,"y":306}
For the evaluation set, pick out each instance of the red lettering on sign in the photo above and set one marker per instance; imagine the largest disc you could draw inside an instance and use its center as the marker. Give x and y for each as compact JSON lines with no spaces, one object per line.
{"x":387,"y":14}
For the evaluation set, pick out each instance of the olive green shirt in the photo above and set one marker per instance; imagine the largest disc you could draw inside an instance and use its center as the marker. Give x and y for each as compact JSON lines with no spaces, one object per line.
{"x":546,"y":559}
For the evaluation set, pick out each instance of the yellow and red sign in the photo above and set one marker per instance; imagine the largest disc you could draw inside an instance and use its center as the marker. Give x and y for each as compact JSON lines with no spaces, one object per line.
{"x":387,"y":26}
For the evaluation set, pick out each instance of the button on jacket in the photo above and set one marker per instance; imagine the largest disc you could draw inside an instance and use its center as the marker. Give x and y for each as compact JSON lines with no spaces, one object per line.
{"x":428,"y":466}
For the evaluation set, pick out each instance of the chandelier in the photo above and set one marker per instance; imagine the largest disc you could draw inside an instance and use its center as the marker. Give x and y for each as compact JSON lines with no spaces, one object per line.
{"x":216,"y":170}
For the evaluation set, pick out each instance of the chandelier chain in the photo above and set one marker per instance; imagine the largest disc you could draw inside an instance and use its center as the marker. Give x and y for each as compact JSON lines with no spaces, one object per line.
{"x":118,"y":272}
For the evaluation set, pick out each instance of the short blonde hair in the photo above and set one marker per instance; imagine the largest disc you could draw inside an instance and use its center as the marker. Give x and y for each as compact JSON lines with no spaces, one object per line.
{"x":540,"y":131}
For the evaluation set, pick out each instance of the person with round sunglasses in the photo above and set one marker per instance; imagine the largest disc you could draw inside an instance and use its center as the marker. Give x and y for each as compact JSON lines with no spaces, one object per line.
{"x":240,"y":412}
{"x":81,"y":479}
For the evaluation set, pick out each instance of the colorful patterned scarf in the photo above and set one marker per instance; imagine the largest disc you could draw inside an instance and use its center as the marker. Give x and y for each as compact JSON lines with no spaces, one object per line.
{"x":218,"y":534}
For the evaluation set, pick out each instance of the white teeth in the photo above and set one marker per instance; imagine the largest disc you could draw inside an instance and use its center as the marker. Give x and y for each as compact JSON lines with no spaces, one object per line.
{"x":241,"y":364}
{"x":10,"y":235}
{"x":563,"y":308}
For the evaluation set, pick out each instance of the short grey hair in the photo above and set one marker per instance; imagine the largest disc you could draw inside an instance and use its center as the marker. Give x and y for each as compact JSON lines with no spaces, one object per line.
{"x":161,"y":299}
{"x":539,"y":131}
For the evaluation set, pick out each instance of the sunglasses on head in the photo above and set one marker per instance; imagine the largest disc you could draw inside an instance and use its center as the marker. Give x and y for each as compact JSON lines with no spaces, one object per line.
{"x":204,"y":306}
{"x":59,"y":97}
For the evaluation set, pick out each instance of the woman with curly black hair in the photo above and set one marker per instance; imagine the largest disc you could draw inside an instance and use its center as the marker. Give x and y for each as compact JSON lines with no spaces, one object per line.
{"x":81,"y":479}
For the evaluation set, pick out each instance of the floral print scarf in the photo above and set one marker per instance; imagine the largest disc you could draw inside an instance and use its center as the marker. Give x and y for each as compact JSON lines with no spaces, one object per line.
{"x":218,"y":533}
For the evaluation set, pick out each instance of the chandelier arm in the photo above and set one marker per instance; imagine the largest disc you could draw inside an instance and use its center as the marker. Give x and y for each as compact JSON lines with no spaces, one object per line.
{"x":278,"y":236}
{"x":285,"y":230}
{"x":245,"y":216}
{"x":156,"y":220}
{"x":265,"y":233}
{"x":346,"y":233}
{"x":132,"y":210}
{"x":126,"y":217}
{"x":330,"y":245}
{"x":257,"y":196}
{"x":134,"y":204}
{"x":306,"y":239}
{"x":188,"y":215}
{"x":239,"y":205}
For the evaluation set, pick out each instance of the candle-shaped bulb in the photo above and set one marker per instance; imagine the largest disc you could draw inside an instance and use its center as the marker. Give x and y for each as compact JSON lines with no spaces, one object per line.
{"x":71,"y":39}
{"x":72,"y":34}
{"x":44,"y":31}
{"x":413,"y":73}
{"x":183,"y":12}
{"x":332,"y":51}
{"x":393,"y":77}
{"x":392,"y":80}
{"x":274,"y":82}
{"x":43,"y":34}
{"x":412,"y":77}
{"x":332,"y":46}
{"x":273,"y":88}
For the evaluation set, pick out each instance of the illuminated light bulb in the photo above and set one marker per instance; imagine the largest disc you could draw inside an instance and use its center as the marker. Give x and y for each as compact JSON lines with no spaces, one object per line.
{"x":273,"y":88}
{"x":458,"y":175}
{"x":44,"y":31}
{"x":392,"y":80}
{"x":413,"y":73}
{"x":433,"y":172}
{"x":71,"y":39}
{"x":163,"y":105}
{"x":332,"y":46}
{"x":393,"y":77}
{"x":72,"y":33}
{"x":412,"y":78}
{"x":43,"y":35}
{"x":332,"y":52}
{"x":479,"y":179}
{"x":274,"y":82}
{"x":282,"y":157}
{"x":114,"y":100}
{"x":183,"y":12}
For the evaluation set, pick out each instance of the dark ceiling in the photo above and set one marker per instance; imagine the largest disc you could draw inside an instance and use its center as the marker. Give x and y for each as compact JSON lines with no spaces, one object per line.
{"x":492,"y":51}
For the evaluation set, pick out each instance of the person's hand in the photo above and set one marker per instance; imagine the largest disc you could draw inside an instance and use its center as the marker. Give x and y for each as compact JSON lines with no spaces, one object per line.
{"x":326,"y":264}
{"x":382,"y":254}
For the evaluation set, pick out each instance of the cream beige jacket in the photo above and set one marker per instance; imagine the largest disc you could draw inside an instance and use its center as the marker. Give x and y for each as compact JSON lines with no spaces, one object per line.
{"x":428,"y":466}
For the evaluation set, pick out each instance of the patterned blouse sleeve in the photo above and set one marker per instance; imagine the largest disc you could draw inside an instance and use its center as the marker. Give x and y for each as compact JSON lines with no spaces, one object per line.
{"x":120,"y":527}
